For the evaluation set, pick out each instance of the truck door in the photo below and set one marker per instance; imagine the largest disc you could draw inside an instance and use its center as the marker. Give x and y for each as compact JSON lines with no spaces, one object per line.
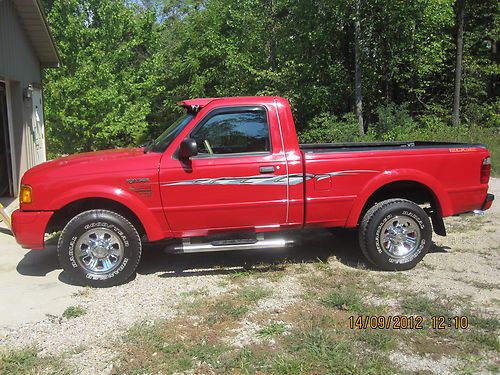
{"x":238,"y":179}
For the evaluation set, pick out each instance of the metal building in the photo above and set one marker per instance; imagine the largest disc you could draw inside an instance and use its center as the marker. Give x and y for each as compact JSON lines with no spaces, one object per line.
{"x":26,"y":47}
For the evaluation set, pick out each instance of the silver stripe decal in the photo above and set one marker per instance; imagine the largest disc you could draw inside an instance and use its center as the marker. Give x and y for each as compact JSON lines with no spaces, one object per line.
{"x":250,"y":180}
{"x":293,"y":179}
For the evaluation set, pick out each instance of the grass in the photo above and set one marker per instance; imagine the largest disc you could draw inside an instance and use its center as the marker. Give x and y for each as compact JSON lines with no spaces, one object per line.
{"x":254,"y":293}
{"x":346,"y":299}
{"x":271,"y":271}
{"x":485,"y":322}
{"x":272,"y":329}
{"x":418,"y":304}
{"x":231,"y":307}
{"x":310,"y":336}
{"x":288,"y":365}
{"x":195,"y":293}
{"x":225,"y":310}
{"x":27,"y":361}
{"x":379,"y":339}
{"x":317,"y":339}
{"x":157,"y":349}
{"x":73,"y":312}
{"x":322,"y":350}
{"x":313,"y":350}
{"x":476,"y":341}
{"x":480,"y":337}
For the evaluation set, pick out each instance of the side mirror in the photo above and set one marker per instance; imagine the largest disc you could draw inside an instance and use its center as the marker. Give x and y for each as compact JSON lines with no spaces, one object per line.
{"x":187,"y":149}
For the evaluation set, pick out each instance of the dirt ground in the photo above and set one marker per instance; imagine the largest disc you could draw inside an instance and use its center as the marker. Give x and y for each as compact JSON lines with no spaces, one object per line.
{"x":87,"y":331}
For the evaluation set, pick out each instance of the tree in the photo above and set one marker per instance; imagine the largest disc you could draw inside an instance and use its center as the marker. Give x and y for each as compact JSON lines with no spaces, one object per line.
{"x":460,"y":9}
{"x":357,"y":69}
{"x":101,"y":96}
{"x":343,"y":65}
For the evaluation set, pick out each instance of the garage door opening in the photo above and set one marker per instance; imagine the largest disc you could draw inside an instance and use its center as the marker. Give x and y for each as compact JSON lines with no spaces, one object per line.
{"x":6,"y":186}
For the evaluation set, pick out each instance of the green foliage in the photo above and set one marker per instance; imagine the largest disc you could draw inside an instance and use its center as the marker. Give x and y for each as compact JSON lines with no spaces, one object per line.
{"x":425,"y":306}
{"x":272,"y":329}
{"x":254,"y":293}
{"x":383,"y":340}
{"x":392,"y":118}
{"x":127,"y":65}
{"x":485,"y":322}
{"x":27,"y":361}
{"x":74,"y":312}
{"x":101,"y":96}
{"x":346,"y":299}
{"x":398,"y":125}
{"x":329,"y":128}
{"x":226,"y":310}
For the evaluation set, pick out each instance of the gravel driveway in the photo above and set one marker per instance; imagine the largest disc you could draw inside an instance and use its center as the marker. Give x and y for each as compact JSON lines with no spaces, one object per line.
{"x":35,"y":293}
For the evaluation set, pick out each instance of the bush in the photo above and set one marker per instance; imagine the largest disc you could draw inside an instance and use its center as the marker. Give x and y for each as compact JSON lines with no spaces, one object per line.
{"x":326,"y":128}
{"x":396,"y":124}
{"x":391,"y":117}
{"x":434,"y":130}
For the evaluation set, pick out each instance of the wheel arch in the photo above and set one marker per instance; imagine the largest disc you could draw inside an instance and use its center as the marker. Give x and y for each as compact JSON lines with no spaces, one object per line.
{"x":413,"y":186}
{"x":62,"y":216}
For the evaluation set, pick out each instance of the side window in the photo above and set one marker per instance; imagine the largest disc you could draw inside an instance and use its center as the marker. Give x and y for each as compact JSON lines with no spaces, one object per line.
{"x":232,"y":133}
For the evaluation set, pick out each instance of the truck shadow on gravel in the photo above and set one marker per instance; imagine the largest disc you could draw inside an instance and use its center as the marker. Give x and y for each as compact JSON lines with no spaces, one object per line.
{"x":309,"y":247}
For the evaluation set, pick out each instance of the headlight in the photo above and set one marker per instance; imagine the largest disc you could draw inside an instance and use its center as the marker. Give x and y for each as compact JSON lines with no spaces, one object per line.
{"x":25,"y":196}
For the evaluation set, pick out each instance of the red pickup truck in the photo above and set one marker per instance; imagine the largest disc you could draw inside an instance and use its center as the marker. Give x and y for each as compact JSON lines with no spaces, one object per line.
{"x":229,"y":173}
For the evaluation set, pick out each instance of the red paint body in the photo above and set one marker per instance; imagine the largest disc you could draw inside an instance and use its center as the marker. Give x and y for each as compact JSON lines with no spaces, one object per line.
{"x":340,"y":182}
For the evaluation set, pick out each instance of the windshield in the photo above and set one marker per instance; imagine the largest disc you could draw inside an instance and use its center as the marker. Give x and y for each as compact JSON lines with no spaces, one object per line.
{"x":161,"y":143}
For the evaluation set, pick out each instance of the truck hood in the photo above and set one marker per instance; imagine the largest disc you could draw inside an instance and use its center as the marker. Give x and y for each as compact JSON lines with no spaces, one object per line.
{"x":98,"y":162}
{"x":89,"y":157}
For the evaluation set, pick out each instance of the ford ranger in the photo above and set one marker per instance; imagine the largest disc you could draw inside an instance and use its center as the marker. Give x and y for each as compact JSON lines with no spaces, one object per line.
{"x":230,"y":174}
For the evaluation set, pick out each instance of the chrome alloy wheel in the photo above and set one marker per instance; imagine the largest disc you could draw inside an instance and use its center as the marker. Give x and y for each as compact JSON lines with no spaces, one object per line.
{"x":400,"y":236}
{"x":99,"y":250}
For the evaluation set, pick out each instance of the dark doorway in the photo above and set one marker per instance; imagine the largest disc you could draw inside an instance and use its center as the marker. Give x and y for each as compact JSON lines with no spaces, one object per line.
{"x":5,"y":161}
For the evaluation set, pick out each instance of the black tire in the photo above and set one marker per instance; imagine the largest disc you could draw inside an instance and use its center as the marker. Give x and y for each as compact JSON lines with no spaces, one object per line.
{"x":389,"y":216}
{"x":107,"y":237}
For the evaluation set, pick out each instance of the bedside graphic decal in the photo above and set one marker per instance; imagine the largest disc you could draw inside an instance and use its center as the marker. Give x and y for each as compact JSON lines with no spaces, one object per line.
{"x":293,"y":179}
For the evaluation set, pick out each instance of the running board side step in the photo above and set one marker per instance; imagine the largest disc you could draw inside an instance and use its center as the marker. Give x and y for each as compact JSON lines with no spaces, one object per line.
{"x":260,"y":243}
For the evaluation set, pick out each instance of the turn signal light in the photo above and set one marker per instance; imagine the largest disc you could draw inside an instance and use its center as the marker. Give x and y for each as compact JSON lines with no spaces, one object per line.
{"x":25,"y":196}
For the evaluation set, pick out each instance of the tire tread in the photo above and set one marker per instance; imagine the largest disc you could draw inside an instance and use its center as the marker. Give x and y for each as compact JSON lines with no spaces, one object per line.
{"x":69,"y":228}
{"x":367,"y":220}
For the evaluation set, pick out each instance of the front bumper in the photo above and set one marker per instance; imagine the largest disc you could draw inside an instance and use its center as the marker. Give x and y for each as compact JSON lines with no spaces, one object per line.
{"x":488,"y":202}
{"x":29,"y":228}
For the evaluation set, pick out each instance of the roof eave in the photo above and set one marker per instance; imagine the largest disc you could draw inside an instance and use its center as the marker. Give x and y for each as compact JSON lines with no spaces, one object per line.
{"x":38,"y":33}
{"x":58,"y":62}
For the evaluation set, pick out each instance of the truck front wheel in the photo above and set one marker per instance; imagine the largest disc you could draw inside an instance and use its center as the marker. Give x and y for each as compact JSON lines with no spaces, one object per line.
{"x":99,"y":248}
{"x":395,"y":234}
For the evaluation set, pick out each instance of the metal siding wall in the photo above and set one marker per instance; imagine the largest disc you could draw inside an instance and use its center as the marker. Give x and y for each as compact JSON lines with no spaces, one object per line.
{"x":20,"y":66}
{"x":17,"y":58}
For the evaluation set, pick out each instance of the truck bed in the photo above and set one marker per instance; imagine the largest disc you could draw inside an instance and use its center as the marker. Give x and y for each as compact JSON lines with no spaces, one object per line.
{"x":313,"y":148}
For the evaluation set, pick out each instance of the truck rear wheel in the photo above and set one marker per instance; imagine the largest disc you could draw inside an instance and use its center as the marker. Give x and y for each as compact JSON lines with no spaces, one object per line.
{"x":395,"y":234}
{"x":99,"y":248}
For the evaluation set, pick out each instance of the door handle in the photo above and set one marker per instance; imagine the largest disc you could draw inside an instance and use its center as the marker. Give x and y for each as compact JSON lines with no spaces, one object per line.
{"x":267,"y":169}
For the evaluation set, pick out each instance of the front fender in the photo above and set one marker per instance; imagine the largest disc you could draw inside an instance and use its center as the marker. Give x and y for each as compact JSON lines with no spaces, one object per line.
{"x":155,"y":229}
{"x":387,"y":177}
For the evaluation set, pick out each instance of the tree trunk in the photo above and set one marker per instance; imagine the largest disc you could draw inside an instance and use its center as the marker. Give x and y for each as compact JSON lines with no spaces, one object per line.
{"x":460,"y":8}
{"x":357,"y":70}
{"x":272,"y":42}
